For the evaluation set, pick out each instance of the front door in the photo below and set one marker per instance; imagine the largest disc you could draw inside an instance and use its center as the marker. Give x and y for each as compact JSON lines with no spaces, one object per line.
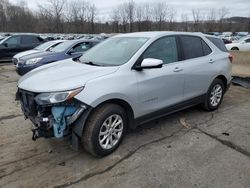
{"x":160,"y":87}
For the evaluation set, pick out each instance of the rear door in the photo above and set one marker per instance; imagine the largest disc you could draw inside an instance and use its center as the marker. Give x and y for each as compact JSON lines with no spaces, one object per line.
{"x":198,"y":63}
{"x":160,"y":87}
{"x":29,"y":42}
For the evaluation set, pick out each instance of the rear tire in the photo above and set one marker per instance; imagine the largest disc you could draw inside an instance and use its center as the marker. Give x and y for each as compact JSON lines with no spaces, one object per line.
{"x":104,"y":130}
{"x":214,"y":95}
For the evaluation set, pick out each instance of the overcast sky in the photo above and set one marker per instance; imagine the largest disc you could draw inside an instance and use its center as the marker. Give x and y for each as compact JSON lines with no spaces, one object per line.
{"x":236,"y":7}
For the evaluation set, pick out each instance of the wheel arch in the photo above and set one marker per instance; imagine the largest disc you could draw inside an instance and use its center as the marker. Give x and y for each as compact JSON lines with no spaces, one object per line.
{"x":235,"y":47}
{"x":223,"y":79}
{"x":125,"y":105}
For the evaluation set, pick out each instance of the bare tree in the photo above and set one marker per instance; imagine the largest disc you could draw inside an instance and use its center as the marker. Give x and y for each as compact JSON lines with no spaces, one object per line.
{"x":130,"y":9}
{"x":115,"y":20}
{"x":54,"y":9}
{"x":159,"y":12}
{"x":147,"y":16}
{"x":3,"y":18}
{"x":185,"y":20}
{"x":121,"y":9}
{"x":222,"y":13}
{"x":92,"y":12}
{"x":197,"y":17}
{"x":171,"y":18}
{"x":211,"y":20}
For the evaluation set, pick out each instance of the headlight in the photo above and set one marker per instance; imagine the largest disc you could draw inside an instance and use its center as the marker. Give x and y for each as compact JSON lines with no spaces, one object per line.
{"x":33,"y":61}
{"x":51,"y":98}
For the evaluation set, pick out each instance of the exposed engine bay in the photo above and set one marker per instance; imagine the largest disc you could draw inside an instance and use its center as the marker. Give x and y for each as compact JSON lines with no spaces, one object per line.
{"x":49,"y":120}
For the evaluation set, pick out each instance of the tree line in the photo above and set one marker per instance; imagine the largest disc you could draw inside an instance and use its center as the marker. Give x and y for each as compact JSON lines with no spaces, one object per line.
{"x":81,"y":16}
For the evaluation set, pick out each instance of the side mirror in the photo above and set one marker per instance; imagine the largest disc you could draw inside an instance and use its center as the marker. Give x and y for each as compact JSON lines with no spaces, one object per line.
{"x":5,"y":44}
{"x":150,"y":63}
{"x":243,"y":42}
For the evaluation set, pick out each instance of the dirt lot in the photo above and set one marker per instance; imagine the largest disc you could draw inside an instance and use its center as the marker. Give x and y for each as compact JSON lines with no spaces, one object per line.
{"x":191,"y":148}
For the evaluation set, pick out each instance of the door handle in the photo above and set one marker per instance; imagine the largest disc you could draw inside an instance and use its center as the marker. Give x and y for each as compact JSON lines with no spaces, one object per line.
{"x":211,"y":61}
{"x":177,"y":69}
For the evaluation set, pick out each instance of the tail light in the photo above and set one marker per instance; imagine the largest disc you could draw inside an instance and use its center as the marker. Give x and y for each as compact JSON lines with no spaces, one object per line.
{"x":230,"y":57}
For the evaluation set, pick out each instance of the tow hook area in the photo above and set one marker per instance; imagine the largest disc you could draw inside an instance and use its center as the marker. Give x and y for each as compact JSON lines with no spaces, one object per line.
{"x":35,"y":134}
{"x":64,"y":116}
{"x":58,"y":121}
{"x":60,"y":115}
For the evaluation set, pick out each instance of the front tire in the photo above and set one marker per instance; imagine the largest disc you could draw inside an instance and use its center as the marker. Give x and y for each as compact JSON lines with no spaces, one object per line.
{"x":214,"y":95}
{"x":104,"y":130}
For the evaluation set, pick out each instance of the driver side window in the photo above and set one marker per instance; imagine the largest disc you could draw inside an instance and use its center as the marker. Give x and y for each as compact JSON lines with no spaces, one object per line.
{"x":164,"y":49}
{"x":81,"y":47}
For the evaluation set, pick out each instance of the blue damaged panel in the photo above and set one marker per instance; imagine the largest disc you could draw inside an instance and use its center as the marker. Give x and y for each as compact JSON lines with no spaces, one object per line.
{"x":60,"y":113}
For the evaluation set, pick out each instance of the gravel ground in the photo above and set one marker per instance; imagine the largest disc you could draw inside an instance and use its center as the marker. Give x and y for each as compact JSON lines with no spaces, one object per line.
{"x":191,"y":148}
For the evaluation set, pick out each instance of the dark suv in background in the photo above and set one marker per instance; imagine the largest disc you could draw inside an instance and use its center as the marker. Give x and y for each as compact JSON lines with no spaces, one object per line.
{"x":12,"y":45}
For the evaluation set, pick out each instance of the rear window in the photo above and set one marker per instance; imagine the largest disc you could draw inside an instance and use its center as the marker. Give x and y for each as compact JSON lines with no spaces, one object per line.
{"x":218,"y":43}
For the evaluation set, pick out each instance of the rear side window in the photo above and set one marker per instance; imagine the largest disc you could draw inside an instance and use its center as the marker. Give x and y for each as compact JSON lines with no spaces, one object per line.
{"x":191,"y":47}
{"x":29,"y":40}
{"x":218,"y":43}
{"x":206,"y":49}
{"x":164,"y":49}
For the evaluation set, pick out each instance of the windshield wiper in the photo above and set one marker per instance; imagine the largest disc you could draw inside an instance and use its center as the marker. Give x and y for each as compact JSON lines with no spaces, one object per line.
{"x":90,"y":63}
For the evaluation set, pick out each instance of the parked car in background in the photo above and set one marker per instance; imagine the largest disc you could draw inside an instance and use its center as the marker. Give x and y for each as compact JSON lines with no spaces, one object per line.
{"x":65,"y":50}
{"x":123,"y":82}
{"x":14,"y":44}
{"x":42,"y":47}
{"x":242,"y":44}
{"x":226,"y":41}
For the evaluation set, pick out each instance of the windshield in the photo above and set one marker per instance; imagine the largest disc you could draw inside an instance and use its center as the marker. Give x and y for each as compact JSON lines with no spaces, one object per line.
{"x":45,"y":46}
{"x":63,"y":46}
{"x":3,"y":40}
{"x":114,"y":51}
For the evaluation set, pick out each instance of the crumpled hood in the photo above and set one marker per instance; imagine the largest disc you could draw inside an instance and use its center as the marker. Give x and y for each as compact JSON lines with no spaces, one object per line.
{"x":61,"y":76}
{"x":28,"y":52}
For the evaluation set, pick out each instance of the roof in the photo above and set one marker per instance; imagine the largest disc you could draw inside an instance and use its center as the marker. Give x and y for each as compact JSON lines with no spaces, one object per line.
{"x":153,"y":34}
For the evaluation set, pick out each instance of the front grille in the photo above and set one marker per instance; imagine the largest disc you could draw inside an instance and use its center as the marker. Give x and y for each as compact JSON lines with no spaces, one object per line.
{"x":28,"y":103}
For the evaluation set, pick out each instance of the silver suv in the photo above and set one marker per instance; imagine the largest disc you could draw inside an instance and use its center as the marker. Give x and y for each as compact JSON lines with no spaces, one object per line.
{"x":123,"y":82}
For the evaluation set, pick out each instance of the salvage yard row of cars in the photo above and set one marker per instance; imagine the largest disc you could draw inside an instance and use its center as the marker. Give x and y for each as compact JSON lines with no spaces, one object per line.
{"x":93,"y":91}
{"x":235,"y":41}
{"x":31,"y":51}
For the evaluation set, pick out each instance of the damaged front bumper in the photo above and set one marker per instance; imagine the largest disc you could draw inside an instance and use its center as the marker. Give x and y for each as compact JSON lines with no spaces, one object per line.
{"x":52,"y":120}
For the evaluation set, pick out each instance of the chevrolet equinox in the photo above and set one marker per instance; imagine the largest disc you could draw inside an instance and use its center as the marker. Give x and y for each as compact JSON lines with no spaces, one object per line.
{"x":123,"y":82}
